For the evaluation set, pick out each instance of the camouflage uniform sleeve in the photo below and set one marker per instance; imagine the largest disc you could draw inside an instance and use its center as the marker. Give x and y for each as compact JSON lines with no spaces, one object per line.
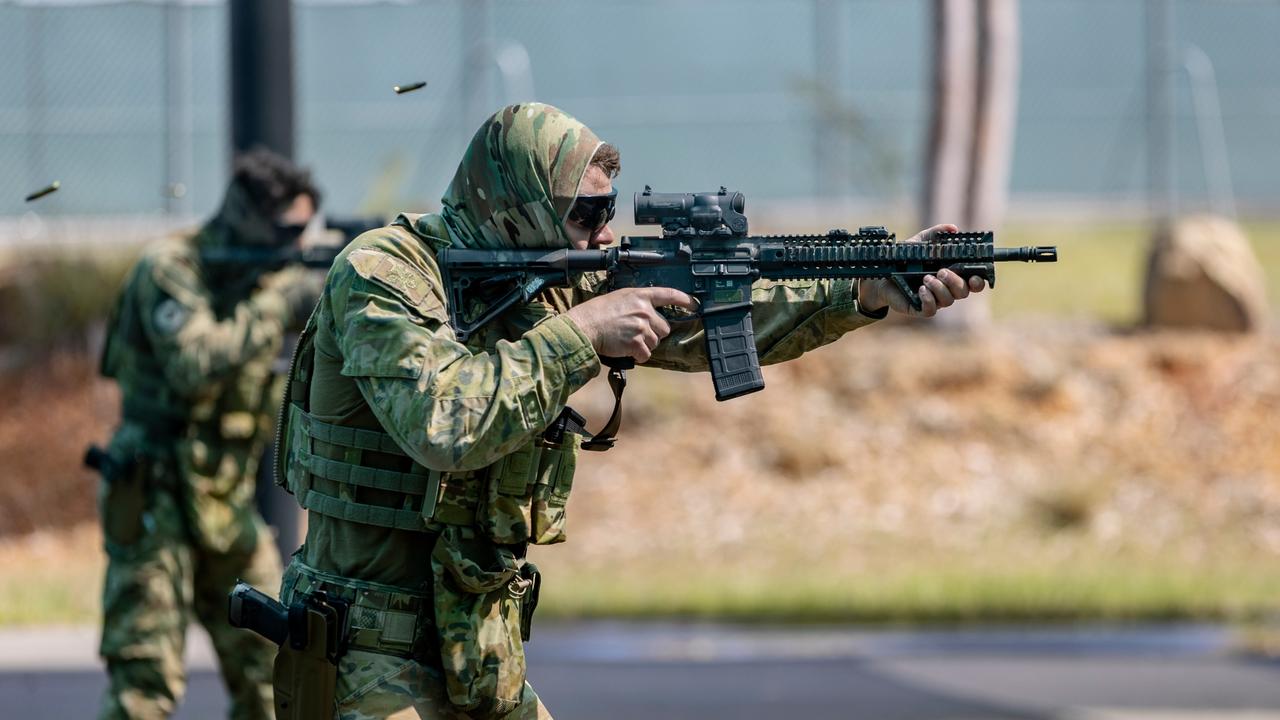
{"x":789,"y":317}
{"x":195,"y":347}
{"x":448,"y":407}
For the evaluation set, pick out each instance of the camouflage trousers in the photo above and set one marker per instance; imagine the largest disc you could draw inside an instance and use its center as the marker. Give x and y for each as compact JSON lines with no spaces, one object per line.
{"x":372,"y":685}
{"x":153,"y":588}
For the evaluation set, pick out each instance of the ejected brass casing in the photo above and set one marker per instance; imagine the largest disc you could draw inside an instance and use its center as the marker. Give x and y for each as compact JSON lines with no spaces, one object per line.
{"x":402,"y":89}
{"x":48,"y":190}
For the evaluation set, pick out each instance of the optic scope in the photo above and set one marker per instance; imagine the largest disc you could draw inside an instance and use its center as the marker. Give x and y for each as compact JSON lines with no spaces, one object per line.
{"x":710,"y":213}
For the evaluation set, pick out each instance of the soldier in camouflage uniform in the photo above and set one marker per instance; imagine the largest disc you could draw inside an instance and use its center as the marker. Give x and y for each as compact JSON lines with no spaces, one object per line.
{"x":191,"y":344}
{"x":427,"y":466}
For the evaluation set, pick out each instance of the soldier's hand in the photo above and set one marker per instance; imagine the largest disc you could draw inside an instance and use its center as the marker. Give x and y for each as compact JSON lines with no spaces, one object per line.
{"x":939,"y":291}
{"x":625,"y":323}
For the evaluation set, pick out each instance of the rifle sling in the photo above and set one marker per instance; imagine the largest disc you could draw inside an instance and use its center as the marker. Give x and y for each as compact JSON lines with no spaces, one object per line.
{"x":604,"y":439}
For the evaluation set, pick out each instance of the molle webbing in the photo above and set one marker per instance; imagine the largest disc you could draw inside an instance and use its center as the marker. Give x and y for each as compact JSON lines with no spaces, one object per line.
{"x":421,"y":488}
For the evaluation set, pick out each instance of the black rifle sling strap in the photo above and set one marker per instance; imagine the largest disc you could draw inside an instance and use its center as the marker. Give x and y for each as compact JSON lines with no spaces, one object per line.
{"x":618,"y":367}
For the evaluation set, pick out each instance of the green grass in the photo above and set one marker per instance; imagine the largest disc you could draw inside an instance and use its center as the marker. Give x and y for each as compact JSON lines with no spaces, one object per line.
{"x":52,"y":577}
{"x":933,"y":589}
{"x":927,"y":591}
{"x":1099,"y":270}
{"x":50,"y":599}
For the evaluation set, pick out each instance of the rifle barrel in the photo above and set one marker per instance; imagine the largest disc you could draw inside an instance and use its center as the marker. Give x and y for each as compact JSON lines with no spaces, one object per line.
{"x":1037,"y":253}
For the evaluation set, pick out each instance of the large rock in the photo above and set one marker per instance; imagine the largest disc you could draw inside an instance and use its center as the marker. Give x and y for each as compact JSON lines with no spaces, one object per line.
{"x":1202,"y":273}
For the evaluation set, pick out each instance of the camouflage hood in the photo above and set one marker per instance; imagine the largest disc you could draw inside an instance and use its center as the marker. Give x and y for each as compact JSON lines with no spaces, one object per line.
{"x":518,"y":179}
{"x":238,"y":222}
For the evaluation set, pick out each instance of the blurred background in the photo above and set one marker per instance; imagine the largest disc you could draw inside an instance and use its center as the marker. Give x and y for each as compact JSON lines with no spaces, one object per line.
{"x":1091,"y":443}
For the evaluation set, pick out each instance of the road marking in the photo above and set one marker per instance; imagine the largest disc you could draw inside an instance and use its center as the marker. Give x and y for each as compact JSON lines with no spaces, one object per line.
{"x":76,"y":648}
{"x":1167,"y":714}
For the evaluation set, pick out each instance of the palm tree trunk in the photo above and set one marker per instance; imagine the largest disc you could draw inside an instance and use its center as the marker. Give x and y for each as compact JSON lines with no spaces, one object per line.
{"x":975,"y":82}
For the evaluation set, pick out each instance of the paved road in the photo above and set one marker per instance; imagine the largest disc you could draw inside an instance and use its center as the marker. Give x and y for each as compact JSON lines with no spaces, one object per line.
{"x":625,"y":672}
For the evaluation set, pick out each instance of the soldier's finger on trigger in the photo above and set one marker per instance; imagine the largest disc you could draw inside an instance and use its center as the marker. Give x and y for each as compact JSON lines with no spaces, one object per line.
{"x":660,"y":296}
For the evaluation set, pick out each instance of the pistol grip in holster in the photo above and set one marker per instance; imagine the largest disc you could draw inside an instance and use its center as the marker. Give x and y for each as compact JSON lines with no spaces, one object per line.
{"x":306,"y":668}
{"x":126,"y":497}
{"x":731,"y":350}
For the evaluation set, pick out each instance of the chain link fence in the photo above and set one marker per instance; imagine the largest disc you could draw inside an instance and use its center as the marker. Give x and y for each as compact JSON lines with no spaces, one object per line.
{"x":126,"y":103}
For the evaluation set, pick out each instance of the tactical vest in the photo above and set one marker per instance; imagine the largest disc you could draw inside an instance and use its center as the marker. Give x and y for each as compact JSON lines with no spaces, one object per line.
{"x":361,"y":475}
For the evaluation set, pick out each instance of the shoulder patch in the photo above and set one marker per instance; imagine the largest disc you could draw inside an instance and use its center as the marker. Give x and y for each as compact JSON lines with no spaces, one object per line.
{"x":402,"y":278}
{"x":169,"y":316}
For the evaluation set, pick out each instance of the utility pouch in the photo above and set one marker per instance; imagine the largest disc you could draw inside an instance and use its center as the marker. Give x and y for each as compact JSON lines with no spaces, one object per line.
{"x":505,"y":516}
{"x":306,"y":668}
{"x":122,"y":497}
{"x":551,"y":491}
{"x":525,"y":493}
{"x":478,"y":594}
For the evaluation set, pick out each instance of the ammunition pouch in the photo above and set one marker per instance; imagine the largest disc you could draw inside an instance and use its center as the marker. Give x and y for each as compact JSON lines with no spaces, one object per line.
{"x":526,"y":492}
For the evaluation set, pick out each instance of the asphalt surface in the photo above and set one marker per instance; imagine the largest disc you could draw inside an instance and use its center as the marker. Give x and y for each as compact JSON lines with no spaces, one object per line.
{"x":632,"y":671}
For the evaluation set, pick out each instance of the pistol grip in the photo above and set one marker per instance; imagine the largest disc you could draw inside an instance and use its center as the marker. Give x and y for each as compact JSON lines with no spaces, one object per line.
{"x":731,"y":350}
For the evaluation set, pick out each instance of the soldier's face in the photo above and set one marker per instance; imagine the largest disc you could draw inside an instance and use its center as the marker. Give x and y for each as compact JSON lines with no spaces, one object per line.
{"x":291,"y":223}
{"x":299,"y":212}
{"x":595,"y":182}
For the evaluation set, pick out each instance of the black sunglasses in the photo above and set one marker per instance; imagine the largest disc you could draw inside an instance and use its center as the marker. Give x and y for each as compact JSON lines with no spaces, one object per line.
{"x":593,"y":212}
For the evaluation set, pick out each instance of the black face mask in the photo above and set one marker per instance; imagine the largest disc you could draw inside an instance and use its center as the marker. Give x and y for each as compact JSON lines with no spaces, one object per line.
{"x":593,"y":212}
{"x":287,"y":235}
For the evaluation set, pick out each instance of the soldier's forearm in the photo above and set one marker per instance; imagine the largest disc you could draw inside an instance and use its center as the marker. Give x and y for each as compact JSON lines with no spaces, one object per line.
{"x":467,"y":410}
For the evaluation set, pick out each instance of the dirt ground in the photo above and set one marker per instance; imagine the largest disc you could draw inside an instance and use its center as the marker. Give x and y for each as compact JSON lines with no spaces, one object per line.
{"x":1075,"y":425}
{"x":52,"y":412}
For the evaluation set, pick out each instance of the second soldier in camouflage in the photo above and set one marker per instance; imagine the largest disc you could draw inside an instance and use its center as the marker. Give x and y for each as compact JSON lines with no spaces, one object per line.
{"x":191,"y":344}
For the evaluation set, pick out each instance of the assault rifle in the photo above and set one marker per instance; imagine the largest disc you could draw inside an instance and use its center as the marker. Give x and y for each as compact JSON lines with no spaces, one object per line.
{"x":320,"y":256}
{"x":705,"y":251}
